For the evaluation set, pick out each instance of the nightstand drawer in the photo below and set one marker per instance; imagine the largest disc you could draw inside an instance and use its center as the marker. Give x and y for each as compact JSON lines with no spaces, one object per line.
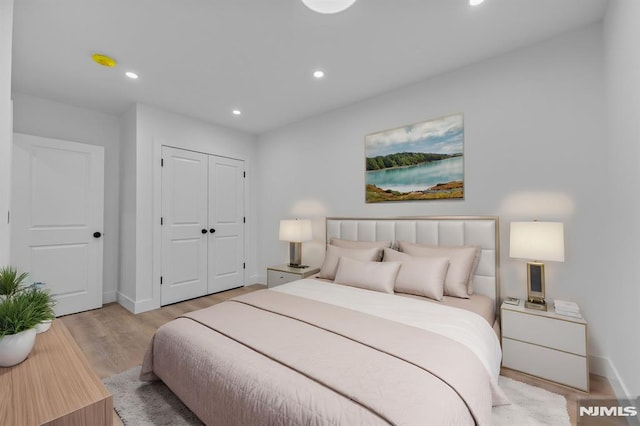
{"x":552,"y":333}
{"x":275,"y":278}
{"x":561,"y":367}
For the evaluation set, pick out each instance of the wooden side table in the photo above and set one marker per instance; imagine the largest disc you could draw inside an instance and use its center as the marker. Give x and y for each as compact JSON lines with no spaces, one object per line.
{"x":55,"y":385}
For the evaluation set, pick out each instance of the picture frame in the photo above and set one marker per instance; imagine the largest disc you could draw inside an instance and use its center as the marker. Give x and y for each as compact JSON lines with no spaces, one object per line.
{"x":419,"y":161}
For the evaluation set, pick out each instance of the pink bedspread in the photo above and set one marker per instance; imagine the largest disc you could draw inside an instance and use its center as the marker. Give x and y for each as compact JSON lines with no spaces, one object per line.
{"x":277,"y":359}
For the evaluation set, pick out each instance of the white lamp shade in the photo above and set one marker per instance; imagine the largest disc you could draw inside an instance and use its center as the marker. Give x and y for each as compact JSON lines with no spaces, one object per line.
{"x":537,"y":241}
{"x":328,"y":6}
{"x":295,"y":230}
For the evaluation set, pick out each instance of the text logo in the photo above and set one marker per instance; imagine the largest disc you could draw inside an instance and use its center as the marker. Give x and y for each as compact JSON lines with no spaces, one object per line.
{"x":609,"y":411}
{"x":594,"y":411}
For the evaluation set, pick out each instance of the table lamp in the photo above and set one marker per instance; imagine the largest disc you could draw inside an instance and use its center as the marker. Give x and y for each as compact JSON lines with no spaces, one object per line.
{"x":295,"y":231}
{"x":539,"y":241}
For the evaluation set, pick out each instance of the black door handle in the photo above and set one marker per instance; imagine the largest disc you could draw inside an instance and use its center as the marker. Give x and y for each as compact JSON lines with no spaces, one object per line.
{"x":204,"y":231}
{"x":97,"y":235}
{"x":212,"y":230}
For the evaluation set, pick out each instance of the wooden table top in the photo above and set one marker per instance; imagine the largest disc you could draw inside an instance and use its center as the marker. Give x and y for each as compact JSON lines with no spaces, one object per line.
{"x":54,"y":385}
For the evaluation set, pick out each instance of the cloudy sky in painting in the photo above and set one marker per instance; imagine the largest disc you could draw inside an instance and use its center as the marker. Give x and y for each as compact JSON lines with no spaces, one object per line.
{"x":440,"y":136}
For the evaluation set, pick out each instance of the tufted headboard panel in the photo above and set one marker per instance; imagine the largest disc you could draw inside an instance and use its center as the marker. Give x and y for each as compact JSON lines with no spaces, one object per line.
{"x":482,"y":231}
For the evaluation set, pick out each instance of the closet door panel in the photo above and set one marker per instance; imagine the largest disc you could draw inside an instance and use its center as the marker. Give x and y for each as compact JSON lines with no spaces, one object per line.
{"x":184,"y":216}
{"x":226,"y":220}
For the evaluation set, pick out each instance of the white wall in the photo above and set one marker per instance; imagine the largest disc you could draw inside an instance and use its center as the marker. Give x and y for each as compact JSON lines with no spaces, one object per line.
{"x":622,"y":284}
{"x":6,"y":132}
{"x":534,"y":124}
{"x":46,"y":118}
{"x":128,"y":190}
{"x":153,"y":129}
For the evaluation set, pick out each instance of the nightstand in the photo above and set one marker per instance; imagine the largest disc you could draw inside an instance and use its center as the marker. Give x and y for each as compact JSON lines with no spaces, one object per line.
{"x":546,"y":345}
{"x":281,"y":274}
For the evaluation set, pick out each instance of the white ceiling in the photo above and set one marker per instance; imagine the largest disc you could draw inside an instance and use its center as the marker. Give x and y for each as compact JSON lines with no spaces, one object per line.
{"x":203,"y":58}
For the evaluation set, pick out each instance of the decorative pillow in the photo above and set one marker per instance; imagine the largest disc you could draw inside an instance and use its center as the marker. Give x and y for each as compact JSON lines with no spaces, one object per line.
{"x":461,"y":263}
{"x":376,"y":276}
{"x":422,"y":276}
{"x":360,"y":244}
{"x":333,"y":255}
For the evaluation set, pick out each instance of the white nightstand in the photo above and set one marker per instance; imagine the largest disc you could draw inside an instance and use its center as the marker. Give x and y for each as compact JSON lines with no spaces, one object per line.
{"x":545,"y":344}
{"x":281,"y":274}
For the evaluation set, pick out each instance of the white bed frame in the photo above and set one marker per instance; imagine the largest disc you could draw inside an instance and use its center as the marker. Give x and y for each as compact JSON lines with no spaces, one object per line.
{"x":482,"y":231}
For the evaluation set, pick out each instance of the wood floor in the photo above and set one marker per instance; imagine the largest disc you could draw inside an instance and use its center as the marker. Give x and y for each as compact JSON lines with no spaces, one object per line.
{"x":115,"y":340}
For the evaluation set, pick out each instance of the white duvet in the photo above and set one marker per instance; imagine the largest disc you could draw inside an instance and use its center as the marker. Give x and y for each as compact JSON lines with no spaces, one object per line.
{"x":465,"y":327}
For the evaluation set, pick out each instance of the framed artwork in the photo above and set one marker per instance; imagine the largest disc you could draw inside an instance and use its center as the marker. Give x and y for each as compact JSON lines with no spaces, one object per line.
{"x":421,"y":161}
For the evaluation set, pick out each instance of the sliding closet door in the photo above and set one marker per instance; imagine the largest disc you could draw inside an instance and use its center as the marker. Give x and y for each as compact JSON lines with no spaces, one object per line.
{"x":226,"y":220}
{"x":184,"y":224}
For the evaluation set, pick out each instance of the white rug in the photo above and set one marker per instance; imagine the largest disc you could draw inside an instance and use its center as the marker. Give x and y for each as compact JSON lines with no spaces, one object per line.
{"x":141,"y":404}
{"x":530,"y":406}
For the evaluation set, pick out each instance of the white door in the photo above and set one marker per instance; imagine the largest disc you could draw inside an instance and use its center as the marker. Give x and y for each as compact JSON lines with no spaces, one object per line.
{"x":184,"y":225}
{"x":57,"y":218}
{"x":226,"y":220}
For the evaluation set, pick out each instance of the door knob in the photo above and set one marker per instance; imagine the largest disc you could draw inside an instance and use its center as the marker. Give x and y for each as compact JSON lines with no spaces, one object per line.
{"x":204,"y":231}
{"x":212,"y":230}
{"x":97,"y":235}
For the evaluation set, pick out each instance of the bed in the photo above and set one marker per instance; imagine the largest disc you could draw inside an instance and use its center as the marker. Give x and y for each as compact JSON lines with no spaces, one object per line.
{"x":346,"y":347}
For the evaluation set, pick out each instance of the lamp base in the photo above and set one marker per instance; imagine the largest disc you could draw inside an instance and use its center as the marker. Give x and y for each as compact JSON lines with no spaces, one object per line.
{"x":295,"y":255}
{"x":539,"y":305}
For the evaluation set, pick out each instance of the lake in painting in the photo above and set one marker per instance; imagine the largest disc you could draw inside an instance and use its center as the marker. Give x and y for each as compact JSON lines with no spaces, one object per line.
{"x":422,"y":161}
{"x":418,"y":178}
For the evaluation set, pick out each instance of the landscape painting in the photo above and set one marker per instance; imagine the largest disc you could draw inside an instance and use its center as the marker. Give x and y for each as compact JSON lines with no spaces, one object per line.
{"x":422,"y":161}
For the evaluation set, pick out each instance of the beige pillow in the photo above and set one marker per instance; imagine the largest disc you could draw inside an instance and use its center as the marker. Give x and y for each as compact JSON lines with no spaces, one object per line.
{"x":360,"y":244}
{"x":376,"y":276}
{"x":333,"y":255}
{"x":422,"y":276}
{"x":461,"y":262}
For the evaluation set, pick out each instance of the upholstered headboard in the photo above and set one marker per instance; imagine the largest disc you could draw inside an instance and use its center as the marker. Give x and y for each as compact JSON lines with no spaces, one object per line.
{"x":482,"y":231}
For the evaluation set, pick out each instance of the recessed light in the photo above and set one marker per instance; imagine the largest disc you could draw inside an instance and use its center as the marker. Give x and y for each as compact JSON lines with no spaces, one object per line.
{"x":132,"y":75}
{"x":328,"y":6}
{"x":318,"y":74}
{"x":236,"y":112}
{"x":475,"y":2}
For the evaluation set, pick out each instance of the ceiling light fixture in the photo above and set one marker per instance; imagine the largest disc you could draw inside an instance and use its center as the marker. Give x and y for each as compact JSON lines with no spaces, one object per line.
{"x":131,"y":75}
{"x":328,"y":6}
{"x":318,"y":74}
{"x":475,"y":2}
{"x":236,"y":112}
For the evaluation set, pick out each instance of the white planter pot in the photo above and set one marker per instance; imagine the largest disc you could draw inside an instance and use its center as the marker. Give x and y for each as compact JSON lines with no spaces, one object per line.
{"x":15,"y":348}
{"x":43,"y":326}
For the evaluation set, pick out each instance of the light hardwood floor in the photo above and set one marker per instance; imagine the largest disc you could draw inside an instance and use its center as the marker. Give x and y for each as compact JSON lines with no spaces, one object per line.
{"x":115,"y":340}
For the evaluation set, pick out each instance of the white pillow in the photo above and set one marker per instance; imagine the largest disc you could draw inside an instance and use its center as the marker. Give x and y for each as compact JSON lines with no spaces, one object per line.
{"x":333,"y":255}
{"x":422,"y":276}
{"x":376,"y":276}
{"x":462,"y":260}
{"x":359,"y":244}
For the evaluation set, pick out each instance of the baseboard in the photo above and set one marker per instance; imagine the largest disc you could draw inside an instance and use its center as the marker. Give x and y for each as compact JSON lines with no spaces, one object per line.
{"x":136,"y":306}
{"x":603,"y":366}
{"x":109,"y":297}
{"x":146,"y":305}
{"x":258,"y":279}
{"x":126,"y":302}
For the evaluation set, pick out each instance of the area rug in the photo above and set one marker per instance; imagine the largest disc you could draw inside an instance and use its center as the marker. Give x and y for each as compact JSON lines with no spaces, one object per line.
{"x":141,"y":404}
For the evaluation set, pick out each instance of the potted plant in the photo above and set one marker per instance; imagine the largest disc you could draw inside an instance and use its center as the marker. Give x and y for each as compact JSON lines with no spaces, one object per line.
{"x":10,"y":281}
{"x":21,"y":311}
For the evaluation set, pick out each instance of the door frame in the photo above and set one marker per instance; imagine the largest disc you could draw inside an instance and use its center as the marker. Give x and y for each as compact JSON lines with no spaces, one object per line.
{"x":155,"y":301}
